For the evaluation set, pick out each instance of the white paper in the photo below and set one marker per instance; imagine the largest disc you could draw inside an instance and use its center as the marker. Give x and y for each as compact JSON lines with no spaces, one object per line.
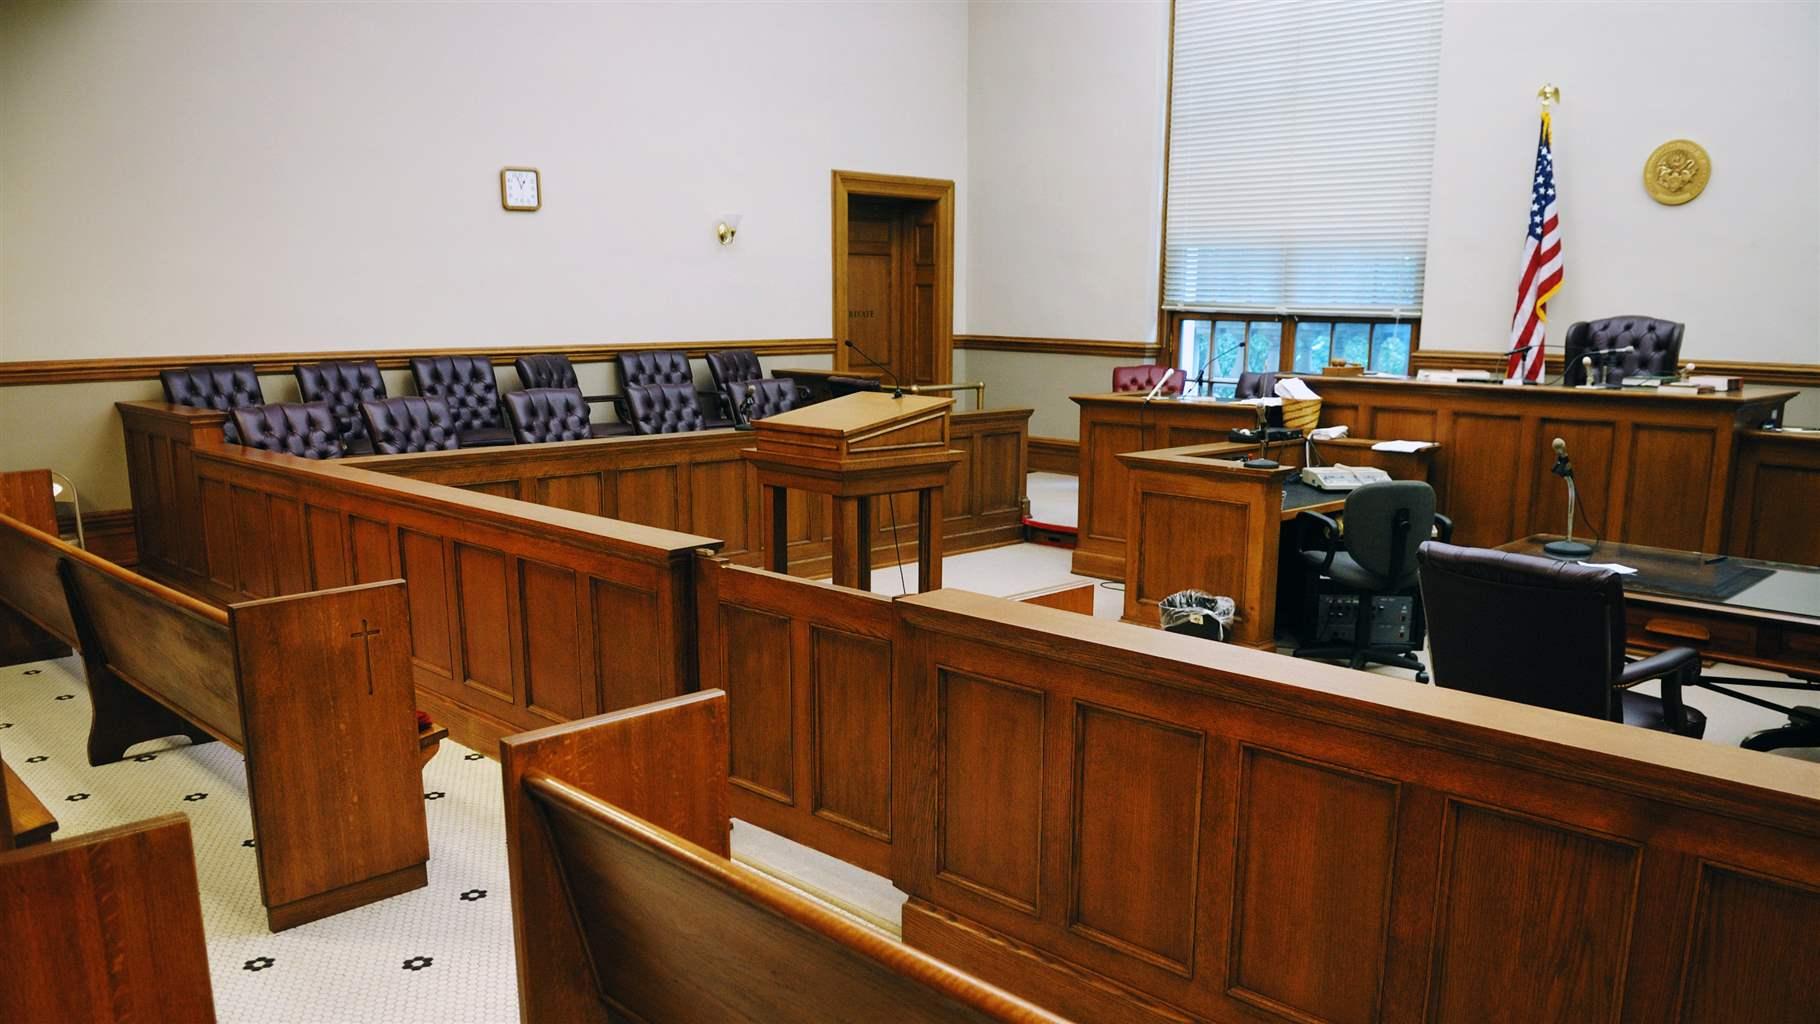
{"x":1622,"y":570}
{"x":1328,"y":433}
{"x":1294,"y":387}
{"x":1400,"y":446}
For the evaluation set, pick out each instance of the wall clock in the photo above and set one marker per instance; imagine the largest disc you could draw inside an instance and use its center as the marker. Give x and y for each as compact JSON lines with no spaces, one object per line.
{"x":519,"y":189}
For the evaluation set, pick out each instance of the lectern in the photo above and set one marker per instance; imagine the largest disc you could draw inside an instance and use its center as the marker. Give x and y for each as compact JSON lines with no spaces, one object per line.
{"x":855,"y":449}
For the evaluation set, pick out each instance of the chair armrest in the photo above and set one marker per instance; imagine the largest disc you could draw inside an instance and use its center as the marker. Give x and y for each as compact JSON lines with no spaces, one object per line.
{"x":1330,"y":534}
{"x":598,"y":399}
{"x":1443,"y":528}
{"x":1670,"y":666}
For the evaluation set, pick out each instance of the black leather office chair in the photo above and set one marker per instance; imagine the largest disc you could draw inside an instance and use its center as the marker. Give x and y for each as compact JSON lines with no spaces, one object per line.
{"x":468,"y":386}
{"x":665,"y":408}
{"x":410,"y":423}
{"x":756,"y":399}
{"x":223,"y":386}
{"x":343,"y":385}
{"x":1548,"y":633}
{"x":1373,"y":560}
{"x":538,"y":415}
{"x":304,"y":429}
{"x":556,"y":371}
{"x":1255,"y":385}
{"x":733,"y":368}
{"x":644,"y":368}
{"x":1656,"y":344}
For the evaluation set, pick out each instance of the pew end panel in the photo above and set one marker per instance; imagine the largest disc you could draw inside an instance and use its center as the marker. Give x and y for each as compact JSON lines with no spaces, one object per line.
{"x":1319,"y":844}
{"x":35,"y":623}
{"x":665,"y":762}
{"x":105,"y":927}
{"x":334,"y":773}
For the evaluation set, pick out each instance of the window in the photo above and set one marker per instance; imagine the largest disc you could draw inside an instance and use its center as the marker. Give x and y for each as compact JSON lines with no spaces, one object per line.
{"x":1209,"y":346}
{"x":1301,"y":143}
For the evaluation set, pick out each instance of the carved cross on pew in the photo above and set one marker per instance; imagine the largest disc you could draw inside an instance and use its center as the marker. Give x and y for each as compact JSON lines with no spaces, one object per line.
{"x":365,"y":636}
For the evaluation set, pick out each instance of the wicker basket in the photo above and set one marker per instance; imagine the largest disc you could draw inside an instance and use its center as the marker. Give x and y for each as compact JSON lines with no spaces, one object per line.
{"x":1301,"y":413}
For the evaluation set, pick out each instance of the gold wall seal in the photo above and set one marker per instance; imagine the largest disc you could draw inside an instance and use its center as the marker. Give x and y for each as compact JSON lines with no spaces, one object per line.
{"x":1676,"y":172}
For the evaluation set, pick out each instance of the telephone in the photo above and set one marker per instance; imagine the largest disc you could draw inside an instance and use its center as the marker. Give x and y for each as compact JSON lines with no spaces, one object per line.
{"x":1342,"y":478}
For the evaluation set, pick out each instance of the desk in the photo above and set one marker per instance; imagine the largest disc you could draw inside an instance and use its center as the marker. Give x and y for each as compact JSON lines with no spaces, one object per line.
{"x":1652,"y":468}
{"x":1777,"y":483}
{"x":1739,"y":610}
{"x":1200,"y":519}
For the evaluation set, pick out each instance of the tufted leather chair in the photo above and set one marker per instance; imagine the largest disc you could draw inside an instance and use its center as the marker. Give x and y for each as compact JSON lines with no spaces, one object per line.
{"x":1657,"y":344}
{"x":555,"y":371}
{"x":467,"y":384}
{"x":548,"y":414}
{"x":664,"y":408}
{"x":1472,"y":594}
{"x":409,"y":424}
{"x":664,"y":366}
{"x":1256,"y":385}
{"x":767,"y":396}
{"x":1143,"y":378}
{"x":306,"y":429}
{"x":343,"y":385}
{"x":734,"y":366}
{"x":224,"y":386}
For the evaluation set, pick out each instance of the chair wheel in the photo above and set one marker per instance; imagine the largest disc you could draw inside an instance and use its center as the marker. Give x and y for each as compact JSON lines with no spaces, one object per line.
{"x":1421,"y":677}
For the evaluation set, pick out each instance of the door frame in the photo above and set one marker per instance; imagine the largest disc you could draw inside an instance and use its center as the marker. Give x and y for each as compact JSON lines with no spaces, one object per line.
{"x":940,"y":191}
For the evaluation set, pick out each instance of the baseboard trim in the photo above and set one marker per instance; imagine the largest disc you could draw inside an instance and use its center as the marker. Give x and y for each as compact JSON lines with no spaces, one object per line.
{"x":86,"y":371}
{"x":1055,"y":455}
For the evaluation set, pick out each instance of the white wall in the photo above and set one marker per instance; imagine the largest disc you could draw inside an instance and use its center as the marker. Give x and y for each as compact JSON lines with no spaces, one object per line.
{"x":1740,"y":265}
{"x":222,"y":177}
{"x":1065,"y":110}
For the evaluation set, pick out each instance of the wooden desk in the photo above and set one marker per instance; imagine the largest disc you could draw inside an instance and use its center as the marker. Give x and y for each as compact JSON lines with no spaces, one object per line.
{"x":1114,"y":424}
{"x":1684,"y":599}
{"x":1774,"y":493}
{"x":1199,"y":519}
{"x":1652,"y":468}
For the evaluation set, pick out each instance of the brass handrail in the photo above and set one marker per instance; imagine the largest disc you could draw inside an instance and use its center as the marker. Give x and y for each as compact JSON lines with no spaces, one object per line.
{"x":977,"y":387}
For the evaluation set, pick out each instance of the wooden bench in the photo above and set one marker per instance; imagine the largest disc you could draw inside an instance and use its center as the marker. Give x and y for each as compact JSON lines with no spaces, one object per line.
{"x":624,"y":901}
{"x":105,"y":927}
{"x":24,"y":820}
{"x":315,"y":689}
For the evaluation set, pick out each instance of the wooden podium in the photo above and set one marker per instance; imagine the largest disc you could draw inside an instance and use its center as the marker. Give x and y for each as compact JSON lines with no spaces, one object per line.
{"x":856,"y":448}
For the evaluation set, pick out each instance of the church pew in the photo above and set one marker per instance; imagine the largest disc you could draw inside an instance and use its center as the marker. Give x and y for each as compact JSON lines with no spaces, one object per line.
{"x":104,"y":927}
{"x":313,"y":688}
{"x":624,"y":901}
{"x":1129,"y":825}
{"x":26,"y":496}
{"x":24,"y":820}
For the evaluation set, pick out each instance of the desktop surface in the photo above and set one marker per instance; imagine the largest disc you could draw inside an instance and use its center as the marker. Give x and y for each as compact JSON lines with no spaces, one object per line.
{"x":1728,"y":581}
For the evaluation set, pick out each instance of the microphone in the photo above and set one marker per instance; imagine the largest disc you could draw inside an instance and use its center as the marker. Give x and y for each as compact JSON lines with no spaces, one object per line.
{"x":1563,"y":467}
{"x":1519,"y":350}
{"x":1567,"y":548}
{"x":1207,"y":367}
{"x":1167,"y":374}
{"x":897,"y":389}
{"x":742,"y":417}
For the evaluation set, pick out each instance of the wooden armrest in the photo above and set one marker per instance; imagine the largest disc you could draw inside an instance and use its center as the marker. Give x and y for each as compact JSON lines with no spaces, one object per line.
{"x":31,"y":822}
{"x":1679,"y":628}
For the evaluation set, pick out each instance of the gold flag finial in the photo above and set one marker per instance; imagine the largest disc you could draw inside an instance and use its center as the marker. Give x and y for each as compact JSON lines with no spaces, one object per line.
{"x":1549,"y":94}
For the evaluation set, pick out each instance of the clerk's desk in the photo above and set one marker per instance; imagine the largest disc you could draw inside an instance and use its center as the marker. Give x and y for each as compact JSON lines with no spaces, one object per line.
{"x":1200,"y":519}
{"x":1652,"y":468}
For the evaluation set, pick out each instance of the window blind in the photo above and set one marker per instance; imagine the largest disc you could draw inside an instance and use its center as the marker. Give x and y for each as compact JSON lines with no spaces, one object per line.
{"x":1301,"y":143}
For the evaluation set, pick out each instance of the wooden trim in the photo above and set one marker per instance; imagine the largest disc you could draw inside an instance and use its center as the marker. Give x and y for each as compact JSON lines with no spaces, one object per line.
{"x":1137,"y":351}
{"x":85,"y":371}
{"x":110,"y":534}
{"x":940,"y":191}
{"x":1801,"y":375}
{"x":1055,"y":455}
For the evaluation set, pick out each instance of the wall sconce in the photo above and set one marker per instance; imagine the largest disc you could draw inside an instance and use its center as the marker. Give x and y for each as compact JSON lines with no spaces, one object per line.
{"x":727,"y":229}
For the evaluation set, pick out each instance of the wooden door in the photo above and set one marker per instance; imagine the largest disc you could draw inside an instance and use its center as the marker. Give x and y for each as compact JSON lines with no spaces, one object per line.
{"x":918,"y":337}
{"x":875,"y":275}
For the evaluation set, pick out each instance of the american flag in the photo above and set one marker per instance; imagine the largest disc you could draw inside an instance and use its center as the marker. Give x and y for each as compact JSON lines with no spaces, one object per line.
{"x":1541,"y":277}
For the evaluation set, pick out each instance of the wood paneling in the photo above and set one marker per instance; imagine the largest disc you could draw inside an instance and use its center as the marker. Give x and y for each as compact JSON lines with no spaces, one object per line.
{"x":808,"y":672}
{"x":72,"y":371}
{"x":1055,"y":455}
{"x":1652,"y":468}
{"x":520,"y":614}
{"x":1291,"y":841}
{"x":1778,"y":475}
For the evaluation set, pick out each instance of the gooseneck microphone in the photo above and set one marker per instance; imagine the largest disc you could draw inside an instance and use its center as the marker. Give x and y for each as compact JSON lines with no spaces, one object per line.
{"x":1155,"y":390}
{"x":742,"y":417}
{"x":1567,"y":547}
{"x":897,"y":389}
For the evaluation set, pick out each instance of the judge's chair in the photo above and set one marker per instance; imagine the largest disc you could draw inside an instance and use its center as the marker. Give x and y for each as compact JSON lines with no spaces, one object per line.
{"x":1361,"y":603}
{"x":556,"y":371}
{"x":1655,"y":347}
{"x":665,"y":367}
{"x":1548,"y":633}
{"x":343,"y":385}
{"x":223,"y":386}
{"x":471,"y":391}
{"x":664,"y":408}
{"x":1144,"y":377}
{"x":410,"y":423}
{"x":304,"y":429}
{"x":1255,"y":385}
{"x":538,"y":415}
